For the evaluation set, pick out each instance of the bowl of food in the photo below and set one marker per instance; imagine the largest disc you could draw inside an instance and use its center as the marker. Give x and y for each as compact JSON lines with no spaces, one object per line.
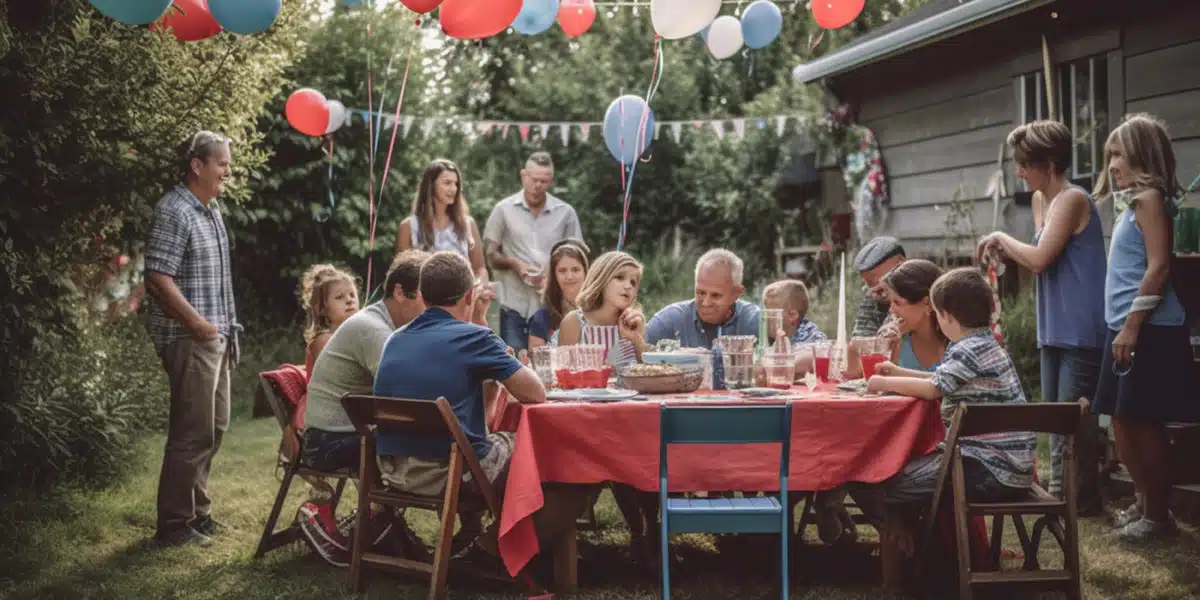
{"x":662,"y":378}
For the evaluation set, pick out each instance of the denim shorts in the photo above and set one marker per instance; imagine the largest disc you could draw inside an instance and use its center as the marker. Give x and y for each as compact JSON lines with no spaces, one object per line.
{"x":330,"y":450}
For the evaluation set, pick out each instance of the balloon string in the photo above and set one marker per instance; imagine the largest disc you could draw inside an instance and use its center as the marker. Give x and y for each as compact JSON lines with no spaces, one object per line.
{"x":325,"y":215}
{"x":371,"y":129}
{"x":627,"y":184}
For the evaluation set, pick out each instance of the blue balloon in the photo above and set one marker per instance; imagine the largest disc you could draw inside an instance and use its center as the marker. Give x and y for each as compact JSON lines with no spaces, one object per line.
{"x":761,"y":23}
{"x":536,"y":16}
{"x":622,"y":121}
{"x":245,"y":16}
{"x":132,"y":12}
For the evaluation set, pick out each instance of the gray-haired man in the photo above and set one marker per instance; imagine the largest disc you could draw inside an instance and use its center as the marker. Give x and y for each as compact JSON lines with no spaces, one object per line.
{"x":192,"y":321}
{"x":716,"y":310}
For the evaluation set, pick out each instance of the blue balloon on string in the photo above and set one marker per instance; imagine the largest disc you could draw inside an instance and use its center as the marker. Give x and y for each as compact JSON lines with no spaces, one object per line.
{"x":245,"y":16}
{"x":536,"y":16}
{"x":622,"y":121}
{"x":761,"y":23}
{"x":132,"y":12}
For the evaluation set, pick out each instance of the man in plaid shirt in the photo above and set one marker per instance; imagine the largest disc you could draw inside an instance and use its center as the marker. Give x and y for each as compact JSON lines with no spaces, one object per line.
{"x":193,"y":324}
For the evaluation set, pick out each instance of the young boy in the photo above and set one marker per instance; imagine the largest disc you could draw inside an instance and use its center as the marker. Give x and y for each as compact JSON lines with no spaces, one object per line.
{"x":791,"y":296}
{"x":999,"y":467}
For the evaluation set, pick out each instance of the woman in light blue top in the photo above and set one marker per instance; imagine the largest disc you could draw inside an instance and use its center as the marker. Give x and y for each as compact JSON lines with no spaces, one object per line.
{"x":922,"y":344}
{"x":440,"y":221}
{"x":1146,"y":377}
{"x":1067,"y":255}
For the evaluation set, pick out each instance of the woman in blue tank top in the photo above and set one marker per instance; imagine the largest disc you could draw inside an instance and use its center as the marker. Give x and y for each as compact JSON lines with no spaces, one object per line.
{"x":1067,"y":255}
{"x":1146,"y":376}
{"x":922,"y":344}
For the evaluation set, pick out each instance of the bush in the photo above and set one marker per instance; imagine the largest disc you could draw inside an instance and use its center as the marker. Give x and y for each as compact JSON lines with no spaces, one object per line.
{"x":80,"y":411}
{"x":1019,"y":322}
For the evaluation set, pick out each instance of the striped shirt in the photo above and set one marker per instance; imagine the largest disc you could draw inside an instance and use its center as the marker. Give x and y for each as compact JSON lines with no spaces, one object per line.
{"x":977,"y":370}
{"x":189,"y":244}
{"x":619,"y":352}
{"x":807,"y":332}
{"x":870,"y":316}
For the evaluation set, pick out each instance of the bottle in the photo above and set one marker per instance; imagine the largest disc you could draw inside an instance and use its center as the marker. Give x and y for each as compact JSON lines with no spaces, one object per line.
{"x":718,"y":366}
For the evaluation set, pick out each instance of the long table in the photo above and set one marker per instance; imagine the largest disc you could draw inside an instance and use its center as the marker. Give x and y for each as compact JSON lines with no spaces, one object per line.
{"x":837,"y":437}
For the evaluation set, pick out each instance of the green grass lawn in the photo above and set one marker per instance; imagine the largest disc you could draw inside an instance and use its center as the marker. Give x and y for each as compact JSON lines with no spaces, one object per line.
{"x":94,"y":544}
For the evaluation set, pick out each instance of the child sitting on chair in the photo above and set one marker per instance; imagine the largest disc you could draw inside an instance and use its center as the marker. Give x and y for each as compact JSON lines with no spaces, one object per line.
{"x":791,"y":296}
{"x":976,"y":369}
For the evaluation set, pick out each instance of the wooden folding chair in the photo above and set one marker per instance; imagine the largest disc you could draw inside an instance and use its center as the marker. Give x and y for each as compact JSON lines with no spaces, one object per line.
{"x":269,"y":394}
{"x":373,"y":414}
{"x":980,"y":419}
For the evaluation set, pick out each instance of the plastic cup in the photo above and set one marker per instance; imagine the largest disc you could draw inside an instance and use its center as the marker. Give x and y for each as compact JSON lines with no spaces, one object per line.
{"x":780,"y":370}
{"x":871,"y":352}
{"x":821,"y":355}
{"x":542,"y":359}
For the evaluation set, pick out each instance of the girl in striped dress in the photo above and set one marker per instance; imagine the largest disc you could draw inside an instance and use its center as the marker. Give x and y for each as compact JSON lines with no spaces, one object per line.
{"x":608,"y":313}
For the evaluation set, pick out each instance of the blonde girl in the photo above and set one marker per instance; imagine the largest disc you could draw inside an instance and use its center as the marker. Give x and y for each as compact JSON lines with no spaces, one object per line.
{"x":329,"y":296}
{"x":608,"y":313}
{"x":440,"y":219}
{"x":1146,"y":370}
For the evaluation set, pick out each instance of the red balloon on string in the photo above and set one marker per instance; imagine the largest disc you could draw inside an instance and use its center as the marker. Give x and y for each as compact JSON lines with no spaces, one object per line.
{"x":576,"y":16}
{"x":308,"y":112}
{"x":835,"y":14}
{"x":189,"y":21}
{"x":421,"y":6}
{"x":477,"y":19}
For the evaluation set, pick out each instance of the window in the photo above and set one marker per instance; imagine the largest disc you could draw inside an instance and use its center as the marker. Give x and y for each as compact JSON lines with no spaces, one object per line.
{"x":1082,"y":104}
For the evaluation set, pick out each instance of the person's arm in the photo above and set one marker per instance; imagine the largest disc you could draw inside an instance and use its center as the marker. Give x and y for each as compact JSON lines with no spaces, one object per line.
{"x":404,"y":235}
{"x":866,"y":317}
{"x":569,"y":331}
{"x":1152,"y":219}
{"x":493,"y":234}
{"x":914,"y":387}
{"x":318,"y":344}
{"x":1067,"y":214}
{"x":539,"y":328}
{"x":483,"y":301}
{"x":525,"y":386}
{"x":476,"y":253}
{"x":162,"y":287}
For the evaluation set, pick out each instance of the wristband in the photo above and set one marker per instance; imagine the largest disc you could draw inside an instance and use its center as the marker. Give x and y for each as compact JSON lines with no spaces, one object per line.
{"x":1145,"y":303}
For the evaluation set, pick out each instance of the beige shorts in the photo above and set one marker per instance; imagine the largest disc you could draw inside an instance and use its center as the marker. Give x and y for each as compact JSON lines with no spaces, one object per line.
{"x":427,"y":477}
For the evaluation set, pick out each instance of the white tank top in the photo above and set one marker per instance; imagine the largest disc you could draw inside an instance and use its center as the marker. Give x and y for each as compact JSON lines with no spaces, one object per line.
{"x":444,"y":239}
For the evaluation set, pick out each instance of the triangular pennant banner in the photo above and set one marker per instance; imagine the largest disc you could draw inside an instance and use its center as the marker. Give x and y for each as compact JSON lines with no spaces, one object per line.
{"x":585,"y":131}
{"x":657,"y":130}
{"x":676,"y":130}
{"x":719,"y":127}
{"x":697,"y":124}
{"x":504,"y":130}
{"x":524,"y":129}
{"x":739,"y":128}
{"x":427,"y":128}
{"x":761,"y":123}
{"x":564,"y":130}
{"x":407,"y":124}
{"x":780,"y":125}
{"x":545,"y":130}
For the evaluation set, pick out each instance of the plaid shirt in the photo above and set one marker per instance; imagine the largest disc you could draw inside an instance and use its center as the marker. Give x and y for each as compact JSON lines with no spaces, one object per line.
{"x":806,"y":332}
{"x":188,"y":243}
{"x":870,"y":316}
{"x":977,"y":370}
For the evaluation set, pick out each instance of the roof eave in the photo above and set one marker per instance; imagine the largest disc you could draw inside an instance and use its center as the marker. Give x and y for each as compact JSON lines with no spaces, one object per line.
{"x":940,"y":26}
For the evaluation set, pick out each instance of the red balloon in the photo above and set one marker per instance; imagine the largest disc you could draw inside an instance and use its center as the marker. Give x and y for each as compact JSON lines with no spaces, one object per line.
{"x":189,"y":20}
{"x":421,"y":6}
{"x":835,"y":14}
{"x":477,"y":19}
{"x":576,"y":16}
{"x":307,"y":112}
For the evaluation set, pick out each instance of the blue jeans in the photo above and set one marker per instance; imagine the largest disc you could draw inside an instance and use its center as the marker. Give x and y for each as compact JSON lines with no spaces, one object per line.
{"x":514,"y":329}
{"x":1069,"y":374}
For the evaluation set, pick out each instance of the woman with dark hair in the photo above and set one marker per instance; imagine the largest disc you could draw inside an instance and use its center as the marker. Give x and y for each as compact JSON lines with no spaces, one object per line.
{"x":1067,"y":255}
{"x":440,"y":220}
{"x":922,"y":344}
{"x":568,"y":267}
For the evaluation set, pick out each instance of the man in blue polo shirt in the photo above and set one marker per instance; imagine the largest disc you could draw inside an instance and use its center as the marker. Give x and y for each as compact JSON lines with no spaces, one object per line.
{"x":717,"y":309}
{"x":442,"y":354}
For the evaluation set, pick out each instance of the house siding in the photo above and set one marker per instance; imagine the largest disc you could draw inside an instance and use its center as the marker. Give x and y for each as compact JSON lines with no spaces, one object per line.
{"x":941,"y":113}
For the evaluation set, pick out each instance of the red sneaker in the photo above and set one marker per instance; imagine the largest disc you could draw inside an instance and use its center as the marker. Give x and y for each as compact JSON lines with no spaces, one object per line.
{"x":324,"y":523}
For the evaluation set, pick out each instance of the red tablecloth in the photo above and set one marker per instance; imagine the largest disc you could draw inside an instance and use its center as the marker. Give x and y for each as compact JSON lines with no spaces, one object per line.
{"x":835,"y":440}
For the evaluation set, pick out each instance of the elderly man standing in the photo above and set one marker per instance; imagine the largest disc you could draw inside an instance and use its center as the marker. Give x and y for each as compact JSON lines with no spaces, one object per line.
{"x":192,"y":321}
{"x":717,"y":309}
{"x":517,"y":241}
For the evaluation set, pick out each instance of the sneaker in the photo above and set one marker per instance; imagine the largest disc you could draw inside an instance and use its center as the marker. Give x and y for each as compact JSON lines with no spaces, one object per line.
{"x":1127,"y":516}
{"x":182,"y":537}
{"x":326,"y":522}
{"x":1145,"y":530}
{"x":208,"y":526}
{"x":315,"y":535}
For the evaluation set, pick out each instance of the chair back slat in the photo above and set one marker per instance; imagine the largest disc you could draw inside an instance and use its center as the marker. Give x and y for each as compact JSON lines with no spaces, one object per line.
{"x":400,"y":416}
{"x":1060,"y":418}
{"x":725,"y":424}
{"x":270,"y":394}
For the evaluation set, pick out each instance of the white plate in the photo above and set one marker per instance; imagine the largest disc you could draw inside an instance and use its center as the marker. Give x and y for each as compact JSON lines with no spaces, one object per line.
{"x":592,"y":395}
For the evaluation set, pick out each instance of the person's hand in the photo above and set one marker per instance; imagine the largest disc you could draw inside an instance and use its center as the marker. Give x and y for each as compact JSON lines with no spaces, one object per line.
{"x":632,"y":325}
{"x":885,"y":368}
{"x":987,"y":247}
{"x":523,"y":357}
{"x":876,"y":384}
{"x":1124,"y":343}
{"x":203,"y":331}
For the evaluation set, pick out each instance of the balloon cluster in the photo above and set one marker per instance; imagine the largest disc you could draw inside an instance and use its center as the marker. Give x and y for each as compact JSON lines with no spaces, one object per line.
{"x":194,"y":20}
{"x":311,"y":114}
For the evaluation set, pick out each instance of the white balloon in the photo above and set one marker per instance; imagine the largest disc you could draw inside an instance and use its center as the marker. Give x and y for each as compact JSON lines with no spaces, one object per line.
{"x":677,"y":19}
{"x":337,"y":115}
{"x":725,"y":37}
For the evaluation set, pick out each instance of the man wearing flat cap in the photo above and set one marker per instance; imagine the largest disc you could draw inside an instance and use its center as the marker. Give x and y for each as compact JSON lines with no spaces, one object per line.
{"x":876,"y":259}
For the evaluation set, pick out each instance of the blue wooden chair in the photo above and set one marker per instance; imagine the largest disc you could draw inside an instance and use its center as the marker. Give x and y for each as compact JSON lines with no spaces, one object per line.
{"x":725,"y":425}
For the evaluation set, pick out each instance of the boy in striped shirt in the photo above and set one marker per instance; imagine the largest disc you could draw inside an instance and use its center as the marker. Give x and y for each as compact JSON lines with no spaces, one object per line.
{"x":976,"y":369}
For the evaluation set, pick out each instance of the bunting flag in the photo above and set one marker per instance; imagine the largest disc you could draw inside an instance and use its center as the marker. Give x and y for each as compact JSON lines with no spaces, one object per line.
{"x":541,"y":131}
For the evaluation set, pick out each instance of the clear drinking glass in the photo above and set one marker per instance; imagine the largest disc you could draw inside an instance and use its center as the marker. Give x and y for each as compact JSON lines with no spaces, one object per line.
{"x":780,"y":370}
{"x":542,"y":359}
{"x":821,"y":355}
{"x":773,"y":317}
{"x":739,"y":369}
{"x":871,"y":352}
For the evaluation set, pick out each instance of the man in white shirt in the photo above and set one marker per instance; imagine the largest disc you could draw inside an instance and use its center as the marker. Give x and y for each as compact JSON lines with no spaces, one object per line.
{"x":517,"y":241}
